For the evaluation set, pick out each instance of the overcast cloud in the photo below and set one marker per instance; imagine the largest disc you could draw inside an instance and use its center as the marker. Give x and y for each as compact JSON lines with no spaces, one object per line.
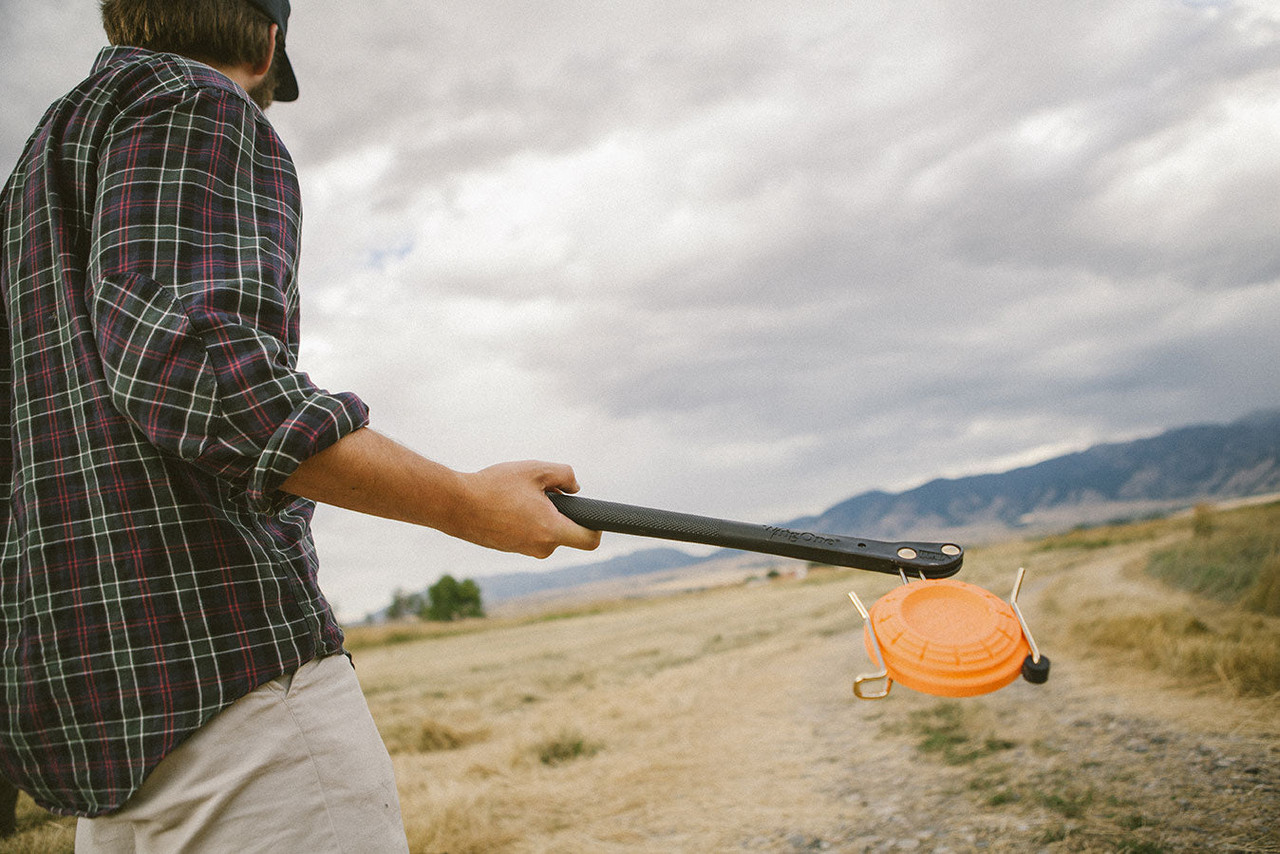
{"x":748,"y":259}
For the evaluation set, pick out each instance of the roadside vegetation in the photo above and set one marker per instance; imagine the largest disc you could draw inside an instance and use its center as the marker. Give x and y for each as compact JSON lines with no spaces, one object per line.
{"x":1233,"y":557}
{"x":1232,"y":634}
{"x":447,"y":599}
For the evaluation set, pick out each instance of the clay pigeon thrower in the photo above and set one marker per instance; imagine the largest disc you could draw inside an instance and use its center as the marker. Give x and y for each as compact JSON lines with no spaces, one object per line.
{"x":933,"y":634}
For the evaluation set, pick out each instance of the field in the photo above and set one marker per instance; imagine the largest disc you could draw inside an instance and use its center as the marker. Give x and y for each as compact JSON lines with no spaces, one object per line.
{"x":723,"y":720}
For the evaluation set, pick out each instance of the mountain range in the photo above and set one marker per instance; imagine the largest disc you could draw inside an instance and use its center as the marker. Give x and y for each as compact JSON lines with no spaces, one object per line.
{"x":1107,"y":482}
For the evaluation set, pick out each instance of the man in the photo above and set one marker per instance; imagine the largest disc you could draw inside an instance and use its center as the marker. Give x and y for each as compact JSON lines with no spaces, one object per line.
{"x":172,"y":672}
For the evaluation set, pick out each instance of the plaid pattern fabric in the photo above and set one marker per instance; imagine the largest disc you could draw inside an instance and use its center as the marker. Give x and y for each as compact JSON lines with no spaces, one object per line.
{"x":151,"y":573}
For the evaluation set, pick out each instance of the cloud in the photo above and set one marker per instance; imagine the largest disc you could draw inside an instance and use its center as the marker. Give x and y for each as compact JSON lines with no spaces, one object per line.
{"x":747,"y":264}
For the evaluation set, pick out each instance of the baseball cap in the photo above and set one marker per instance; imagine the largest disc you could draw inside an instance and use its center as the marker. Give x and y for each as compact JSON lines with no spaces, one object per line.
{"x":278,"y":12}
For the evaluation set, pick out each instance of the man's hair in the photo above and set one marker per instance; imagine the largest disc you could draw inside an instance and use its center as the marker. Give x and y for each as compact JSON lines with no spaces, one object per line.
{"x":216,"y":32}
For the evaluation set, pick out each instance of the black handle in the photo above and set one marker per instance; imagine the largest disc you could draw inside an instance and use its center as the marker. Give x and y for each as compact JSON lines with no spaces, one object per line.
{"x":930,"y":560}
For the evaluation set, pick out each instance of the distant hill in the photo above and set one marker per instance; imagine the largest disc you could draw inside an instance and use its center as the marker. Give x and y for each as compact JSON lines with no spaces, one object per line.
{"x":495,"y":588}
{"x":1104,"y":483}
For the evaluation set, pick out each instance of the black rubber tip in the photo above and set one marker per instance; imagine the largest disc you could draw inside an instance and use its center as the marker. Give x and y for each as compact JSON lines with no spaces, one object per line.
{"x":1036,"y":672}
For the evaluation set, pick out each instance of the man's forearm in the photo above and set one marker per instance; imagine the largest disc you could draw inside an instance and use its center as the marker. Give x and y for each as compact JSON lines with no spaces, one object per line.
{"x":370,"y":473}
{"x":502,"y":507}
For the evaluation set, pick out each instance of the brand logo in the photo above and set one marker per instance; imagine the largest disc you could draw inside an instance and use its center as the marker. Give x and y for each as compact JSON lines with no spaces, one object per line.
{"x":790,"y":536}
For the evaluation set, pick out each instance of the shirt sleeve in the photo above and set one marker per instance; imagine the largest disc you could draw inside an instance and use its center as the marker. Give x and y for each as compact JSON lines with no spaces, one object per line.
{"x":193,"y":294}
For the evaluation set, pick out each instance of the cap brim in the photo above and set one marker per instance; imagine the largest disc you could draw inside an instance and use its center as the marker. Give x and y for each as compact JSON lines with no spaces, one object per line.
{"x":286,"y":84}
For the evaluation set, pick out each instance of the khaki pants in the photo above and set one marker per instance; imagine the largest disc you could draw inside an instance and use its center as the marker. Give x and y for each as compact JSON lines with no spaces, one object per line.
{"x":295,"y":766}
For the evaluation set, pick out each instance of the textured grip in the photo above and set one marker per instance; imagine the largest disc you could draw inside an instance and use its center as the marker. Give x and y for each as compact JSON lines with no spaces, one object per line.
{"x":930,"y":560}
{"x":642,"y":521}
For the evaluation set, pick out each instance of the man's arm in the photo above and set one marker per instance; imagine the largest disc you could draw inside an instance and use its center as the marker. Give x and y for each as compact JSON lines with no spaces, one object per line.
{"x":502,"y":507}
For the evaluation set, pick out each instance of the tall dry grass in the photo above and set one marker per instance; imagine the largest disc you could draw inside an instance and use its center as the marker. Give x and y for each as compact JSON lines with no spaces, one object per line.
{"x":39,"y":832}
{"x":1233,"y":557}
{"x":1243,"y":651}
{"x":589,"y":722}
{"x":1230,"y":557}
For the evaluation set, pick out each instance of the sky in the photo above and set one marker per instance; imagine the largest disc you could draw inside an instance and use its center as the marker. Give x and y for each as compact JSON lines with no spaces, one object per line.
{"x":747,"y":260}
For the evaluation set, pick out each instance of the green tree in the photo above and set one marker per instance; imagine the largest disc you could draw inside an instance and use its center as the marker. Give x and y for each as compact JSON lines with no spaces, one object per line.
{"x":400,"y":605}
{"x":450,"y":599}
{"x":469,"y":604}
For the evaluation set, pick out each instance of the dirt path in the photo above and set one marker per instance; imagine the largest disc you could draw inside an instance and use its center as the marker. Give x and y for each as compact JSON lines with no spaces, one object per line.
{"x":1069,"y":766}
{"x":1087,"y":762}
{"x":1094,"y":760}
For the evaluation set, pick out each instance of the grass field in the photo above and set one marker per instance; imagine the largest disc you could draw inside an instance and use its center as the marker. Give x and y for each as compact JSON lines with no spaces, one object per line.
{"x":724,"y":720}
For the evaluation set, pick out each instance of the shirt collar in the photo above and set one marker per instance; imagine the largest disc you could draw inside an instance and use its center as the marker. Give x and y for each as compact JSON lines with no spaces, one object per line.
{"x":198,"y":72}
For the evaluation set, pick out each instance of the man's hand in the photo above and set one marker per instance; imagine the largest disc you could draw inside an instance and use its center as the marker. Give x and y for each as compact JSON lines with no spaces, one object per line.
{"x":502,"y":507}
{"x":511,"y":511}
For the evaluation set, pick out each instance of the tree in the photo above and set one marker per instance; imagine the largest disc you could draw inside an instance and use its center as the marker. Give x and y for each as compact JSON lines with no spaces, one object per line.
{"x":403,"y":604}
{"x":1203,"y":521}
{"x":452,"y":600}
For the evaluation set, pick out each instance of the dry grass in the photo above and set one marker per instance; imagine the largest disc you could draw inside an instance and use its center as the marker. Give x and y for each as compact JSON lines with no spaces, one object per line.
{"x":1242,"y":650}
{"x":1232,"y":557}
{"x":724,"y":720}
{"x":39,"y":832}
{"x":1264,"y":596}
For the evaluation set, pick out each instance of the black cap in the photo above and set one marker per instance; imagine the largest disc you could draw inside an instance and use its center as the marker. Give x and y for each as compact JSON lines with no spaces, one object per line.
{"x":278,"y":12}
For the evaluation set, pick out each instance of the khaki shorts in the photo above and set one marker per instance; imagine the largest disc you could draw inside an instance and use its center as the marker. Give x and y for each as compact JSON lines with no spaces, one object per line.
{"x":295,"y":766}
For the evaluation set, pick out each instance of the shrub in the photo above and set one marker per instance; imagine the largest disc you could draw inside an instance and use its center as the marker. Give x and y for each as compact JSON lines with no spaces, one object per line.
{"x":452,"y":600}
{"x":1226,"y":556}
{"x":1264,"y":596}
{"x":1202,"y":521}
{"x":1243,"y":651}
{"x":565,"y":747}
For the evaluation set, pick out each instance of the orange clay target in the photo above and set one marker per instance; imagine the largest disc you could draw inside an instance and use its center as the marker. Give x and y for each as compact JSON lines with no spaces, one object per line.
{"x":947,"y":638}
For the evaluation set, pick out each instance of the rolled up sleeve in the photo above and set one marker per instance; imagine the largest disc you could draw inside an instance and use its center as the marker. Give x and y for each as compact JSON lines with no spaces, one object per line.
{"x":315,"y":425}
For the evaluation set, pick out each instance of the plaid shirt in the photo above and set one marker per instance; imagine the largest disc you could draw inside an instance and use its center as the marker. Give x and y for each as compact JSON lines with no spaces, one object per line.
{"x":151,"y":571}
